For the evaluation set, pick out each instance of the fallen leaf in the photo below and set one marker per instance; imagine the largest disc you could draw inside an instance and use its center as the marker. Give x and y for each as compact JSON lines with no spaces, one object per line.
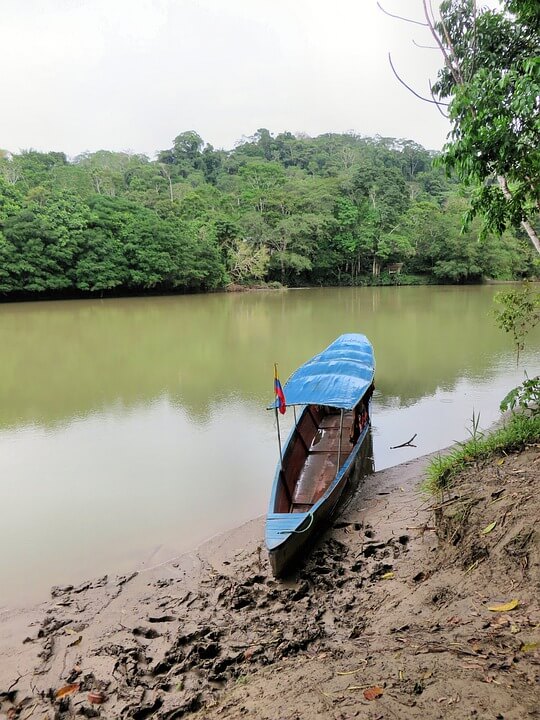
{"x":75,"y":642}
{"x":387,"y":576}
{"x":500,"y":462}
{"x":530,"y":647}
{"x":66,"y":690}
{"x":488,"y":528}
{"x":505,"y":607}
{"x":373,"y":693}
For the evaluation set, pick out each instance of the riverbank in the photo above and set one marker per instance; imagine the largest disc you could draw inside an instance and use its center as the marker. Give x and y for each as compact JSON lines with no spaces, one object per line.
{"x":384,"y":280}
{"x":388,"y":618}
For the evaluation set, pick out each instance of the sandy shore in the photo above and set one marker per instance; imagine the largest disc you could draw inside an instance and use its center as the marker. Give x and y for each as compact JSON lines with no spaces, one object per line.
{"x":384,"y":620}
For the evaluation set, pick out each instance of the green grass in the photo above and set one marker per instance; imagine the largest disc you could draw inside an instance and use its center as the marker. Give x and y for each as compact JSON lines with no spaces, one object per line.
{"x":518,"y":431}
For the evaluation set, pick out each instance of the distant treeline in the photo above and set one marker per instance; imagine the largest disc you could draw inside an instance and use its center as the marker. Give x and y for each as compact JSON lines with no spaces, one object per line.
{"x":330,"y":210}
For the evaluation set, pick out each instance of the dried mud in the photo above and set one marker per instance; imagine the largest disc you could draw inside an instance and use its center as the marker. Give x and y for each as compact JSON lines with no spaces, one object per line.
{"x":395,"y":597}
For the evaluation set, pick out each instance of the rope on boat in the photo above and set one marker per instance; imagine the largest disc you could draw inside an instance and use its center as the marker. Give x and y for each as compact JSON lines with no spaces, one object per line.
{"x":298,"y":532}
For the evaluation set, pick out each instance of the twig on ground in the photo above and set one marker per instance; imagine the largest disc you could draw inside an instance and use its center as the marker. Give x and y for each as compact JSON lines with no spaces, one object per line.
{"x":405,"y":444}
{"x":423,"y":528}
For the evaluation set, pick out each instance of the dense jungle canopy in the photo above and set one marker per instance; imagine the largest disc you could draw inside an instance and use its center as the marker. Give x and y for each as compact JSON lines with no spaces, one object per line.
{"x":338,"y":209}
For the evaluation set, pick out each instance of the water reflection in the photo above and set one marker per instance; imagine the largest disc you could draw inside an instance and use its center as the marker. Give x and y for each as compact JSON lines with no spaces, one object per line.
{"x":131,"y":423}
{"x":68,"y":359}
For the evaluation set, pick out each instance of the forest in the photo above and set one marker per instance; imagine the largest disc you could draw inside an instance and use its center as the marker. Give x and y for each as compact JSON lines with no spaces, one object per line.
{"x":338,"y":209}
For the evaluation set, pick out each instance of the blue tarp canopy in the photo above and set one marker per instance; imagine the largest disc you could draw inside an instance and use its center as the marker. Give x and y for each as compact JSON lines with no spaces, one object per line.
{"x":338,"y":376}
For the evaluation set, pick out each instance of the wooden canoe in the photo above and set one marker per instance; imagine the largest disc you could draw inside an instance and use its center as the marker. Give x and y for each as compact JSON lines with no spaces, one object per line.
{"x":323,"y":448}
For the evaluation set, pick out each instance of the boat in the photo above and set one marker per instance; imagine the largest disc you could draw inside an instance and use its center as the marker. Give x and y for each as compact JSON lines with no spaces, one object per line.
{"x":334,"y":391}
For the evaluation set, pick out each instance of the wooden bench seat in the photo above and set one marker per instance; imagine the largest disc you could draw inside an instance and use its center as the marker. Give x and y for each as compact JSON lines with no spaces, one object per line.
{"x":321,"y":464}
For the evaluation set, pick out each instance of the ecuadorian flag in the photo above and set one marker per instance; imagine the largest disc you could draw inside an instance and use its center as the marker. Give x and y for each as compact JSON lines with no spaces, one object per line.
{"x":281,"y":404}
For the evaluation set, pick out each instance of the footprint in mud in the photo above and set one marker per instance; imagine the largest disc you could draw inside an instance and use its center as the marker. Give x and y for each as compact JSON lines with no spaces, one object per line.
{"x":373,"y":549}
{"x":442,"y":596}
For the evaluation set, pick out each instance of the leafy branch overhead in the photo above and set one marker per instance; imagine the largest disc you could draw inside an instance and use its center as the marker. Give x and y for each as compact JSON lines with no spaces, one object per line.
{"x":490,"y":84}
{"x":519,"y":313}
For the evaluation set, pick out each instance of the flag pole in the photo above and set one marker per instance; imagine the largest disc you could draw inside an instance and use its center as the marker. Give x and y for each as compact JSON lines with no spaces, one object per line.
{"x":279,"y":441}
{"x":277,"y":423}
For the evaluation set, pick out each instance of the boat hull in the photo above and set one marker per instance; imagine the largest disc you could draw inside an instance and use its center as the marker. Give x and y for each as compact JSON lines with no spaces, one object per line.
{"x":288,"y":535}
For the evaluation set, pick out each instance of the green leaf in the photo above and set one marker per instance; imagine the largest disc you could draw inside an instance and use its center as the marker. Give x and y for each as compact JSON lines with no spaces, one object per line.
{"x":488,"y":528}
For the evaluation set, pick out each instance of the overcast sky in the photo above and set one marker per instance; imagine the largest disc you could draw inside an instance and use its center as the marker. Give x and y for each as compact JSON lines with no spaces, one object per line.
{"x":83,"y":75}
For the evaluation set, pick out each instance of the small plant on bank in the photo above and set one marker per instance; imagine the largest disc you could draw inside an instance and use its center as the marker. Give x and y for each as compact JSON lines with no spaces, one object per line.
{"x":476,"y":434}
{"x":519,"y":431}
{"x":520,"y":313}
{"x":525,"y":396}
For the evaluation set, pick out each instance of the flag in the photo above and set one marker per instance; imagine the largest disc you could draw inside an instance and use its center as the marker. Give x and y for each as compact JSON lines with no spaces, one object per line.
{"x":281,"y":404}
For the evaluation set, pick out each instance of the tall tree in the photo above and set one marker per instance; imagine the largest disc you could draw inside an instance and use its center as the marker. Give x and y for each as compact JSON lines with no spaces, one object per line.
{"x":491,"y":79}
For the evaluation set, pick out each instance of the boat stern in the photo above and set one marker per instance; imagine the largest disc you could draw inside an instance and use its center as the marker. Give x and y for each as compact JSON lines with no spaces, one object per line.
{"x":285,"y":535}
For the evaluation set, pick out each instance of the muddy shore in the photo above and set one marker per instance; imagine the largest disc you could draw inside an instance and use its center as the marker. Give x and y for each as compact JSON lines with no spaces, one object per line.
{"x":389,"y":618}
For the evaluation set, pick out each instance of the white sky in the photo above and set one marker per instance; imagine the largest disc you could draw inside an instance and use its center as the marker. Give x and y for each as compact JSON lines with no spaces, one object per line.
{"x":132,"y":74}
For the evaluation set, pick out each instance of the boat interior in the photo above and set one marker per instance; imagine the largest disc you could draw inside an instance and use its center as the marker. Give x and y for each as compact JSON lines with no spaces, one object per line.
{"x":310,"y":463}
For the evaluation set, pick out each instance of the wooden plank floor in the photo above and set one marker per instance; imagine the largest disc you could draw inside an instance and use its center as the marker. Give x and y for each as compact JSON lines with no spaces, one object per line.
{"x":321,"y":464}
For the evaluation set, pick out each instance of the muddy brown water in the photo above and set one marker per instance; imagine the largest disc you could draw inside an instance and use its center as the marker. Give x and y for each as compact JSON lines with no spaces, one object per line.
{"x":133,"y":429}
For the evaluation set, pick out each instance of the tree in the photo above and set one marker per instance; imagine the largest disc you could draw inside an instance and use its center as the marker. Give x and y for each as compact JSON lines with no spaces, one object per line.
{"x":148,"y":245}
{"x":248,"y":262}
{"x":490,"y":85}
{"x":36,"y":167}
{"x":212,"y":161}
{"x":260,"y":180}
{"x":11,"y":200}
{"x":185,"y":155}
{"x":38,"y":261}
{"x":491,"y":79}
{"x":383,"y":198}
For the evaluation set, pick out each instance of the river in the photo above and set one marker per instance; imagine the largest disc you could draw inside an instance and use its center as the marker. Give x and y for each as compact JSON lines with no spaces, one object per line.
{"x":133,"y":429}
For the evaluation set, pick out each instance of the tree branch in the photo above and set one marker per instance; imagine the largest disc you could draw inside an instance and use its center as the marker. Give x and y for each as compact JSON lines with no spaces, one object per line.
{"x":425,"y":47}
{"x":399,"y":17}
{"x":420,"y":97}
{"x":405,"y":444}
{"x":437,"y":102}
{"x":447,"y":58}
{"x":525,"y":224}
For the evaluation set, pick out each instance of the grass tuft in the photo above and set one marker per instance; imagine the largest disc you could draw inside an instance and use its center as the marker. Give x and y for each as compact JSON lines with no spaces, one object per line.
{"x":520,"y":430}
